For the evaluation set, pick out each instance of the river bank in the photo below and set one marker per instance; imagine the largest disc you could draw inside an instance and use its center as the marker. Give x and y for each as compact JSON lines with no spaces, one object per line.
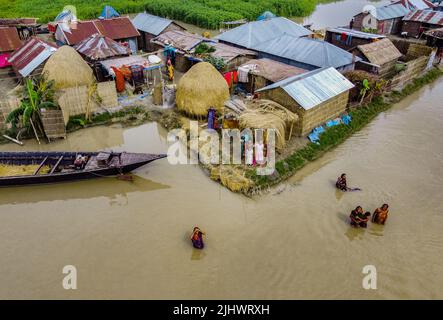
{"x":245,"y":180}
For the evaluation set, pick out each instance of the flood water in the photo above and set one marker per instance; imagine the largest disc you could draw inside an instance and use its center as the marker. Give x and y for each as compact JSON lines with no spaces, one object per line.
{"x":337,"y":13}
{"x":131,"y":240}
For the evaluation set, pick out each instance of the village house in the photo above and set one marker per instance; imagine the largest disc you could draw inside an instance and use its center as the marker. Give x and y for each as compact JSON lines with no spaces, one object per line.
{"x":259,"y":73}
{"x":434,"y":38}
{"x":382,"y":20}
{"x":119,"y":29}
{"x":283,"y":40}
{"x":307,"y":53}
{"x":26,"y":27}
{"x":97,"y":48}
{"x":348,"y":39}
{"x":379,"y":57}
{"x":151,"y":26}
{"x":419,"y":21}
{"x":30,"y":58}
{"x":316,"y":97}
{"x":252,"y":34}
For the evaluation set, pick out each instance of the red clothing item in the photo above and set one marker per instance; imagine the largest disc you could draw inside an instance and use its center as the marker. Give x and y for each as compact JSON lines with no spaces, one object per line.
{"x":228,"y":78}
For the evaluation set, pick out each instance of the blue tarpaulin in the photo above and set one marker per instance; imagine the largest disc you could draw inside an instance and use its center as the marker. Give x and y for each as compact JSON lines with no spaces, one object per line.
{"x":316,"y":132}
{"x":108,"y":13}
{"x":266,"y":15}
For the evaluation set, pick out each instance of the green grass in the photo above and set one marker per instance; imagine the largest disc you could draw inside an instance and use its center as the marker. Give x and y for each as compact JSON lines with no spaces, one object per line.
{"x":204,"y":13}
{"x":338,"y":134}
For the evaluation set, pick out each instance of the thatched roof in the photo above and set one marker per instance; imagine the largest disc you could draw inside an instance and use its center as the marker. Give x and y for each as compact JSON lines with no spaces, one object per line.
{"x":67,"y":68}
{"x":380,"y":52}
{"x":267,"y":114}
{"x":200,"y":88}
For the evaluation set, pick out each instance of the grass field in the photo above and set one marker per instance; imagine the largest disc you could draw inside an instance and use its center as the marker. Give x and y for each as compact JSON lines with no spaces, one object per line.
{"x":203,"y":13}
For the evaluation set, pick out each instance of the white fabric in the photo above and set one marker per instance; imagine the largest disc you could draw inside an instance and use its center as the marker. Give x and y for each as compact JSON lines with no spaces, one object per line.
{"x":244,"y":71}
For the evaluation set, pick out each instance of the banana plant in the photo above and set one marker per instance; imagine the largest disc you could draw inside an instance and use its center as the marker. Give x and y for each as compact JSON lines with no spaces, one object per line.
{"x":365,"y":88}
{"x":37,"y":95}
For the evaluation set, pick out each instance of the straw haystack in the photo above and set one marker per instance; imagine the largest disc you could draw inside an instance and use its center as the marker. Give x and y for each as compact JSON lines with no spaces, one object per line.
{"x":68,"y":69}
{"x":267,"y":114}
{"x":200,"y":88}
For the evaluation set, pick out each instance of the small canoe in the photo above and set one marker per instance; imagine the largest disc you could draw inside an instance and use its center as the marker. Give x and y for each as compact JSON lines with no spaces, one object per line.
{"x":60,"y":167}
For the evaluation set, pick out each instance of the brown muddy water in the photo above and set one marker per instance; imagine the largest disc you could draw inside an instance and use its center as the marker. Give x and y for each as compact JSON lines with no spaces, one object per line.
{"x":131,"y":240}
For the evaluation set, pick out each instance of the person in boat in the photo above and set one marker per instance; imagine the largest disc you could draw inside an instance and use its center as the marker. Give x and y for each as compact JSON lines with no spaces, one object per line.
{"x":341,"y":183}
{"x":80,"y":162}
{"x":197,"y":238}
{"x":381,"y":214}
{"x":356,"y":216}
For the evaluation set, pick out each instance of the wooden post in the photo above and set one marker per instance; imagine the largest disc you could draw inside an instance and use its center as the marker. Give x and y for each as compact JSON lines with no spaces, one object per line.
{"x":35,"y":131}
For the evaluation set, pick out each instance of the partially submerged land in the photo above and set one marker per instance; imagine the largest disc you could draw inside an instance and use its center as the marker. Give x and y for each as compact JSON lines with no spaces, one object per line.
{"x":268,"y":83}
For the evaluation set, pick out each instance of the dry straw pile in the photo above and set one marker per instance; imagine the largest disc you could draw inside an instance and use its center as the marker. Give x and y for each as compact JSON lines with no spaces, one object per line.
{"x":200,"y":88}
{"x":267,"y":114}
{"x":68,"y":69}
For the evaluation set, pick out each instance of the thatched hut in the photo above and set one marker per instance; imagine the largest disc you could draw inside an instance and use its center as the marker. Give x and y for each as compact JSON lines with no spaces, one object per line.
{"x":200,"y":88}
{"x":68,"y":69}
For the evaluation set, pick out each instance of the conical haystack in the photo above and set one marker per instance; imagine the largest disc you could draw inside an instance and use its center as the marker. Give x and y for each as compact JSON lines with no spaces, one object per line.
{"x":68,"y":69}
{"x":200,"y":88}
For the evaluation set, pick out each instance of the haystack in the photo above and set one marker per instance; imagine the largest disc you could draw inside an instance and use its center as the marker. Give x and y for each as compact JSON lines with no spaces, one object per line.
{"x":267,"y":114}
{"x":68,"y":69}
{"x":200,"y":88}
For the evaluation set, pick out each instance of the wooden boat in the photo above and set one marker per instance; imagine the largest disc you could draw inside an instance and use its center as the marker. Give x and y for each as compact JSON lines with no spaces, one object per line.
{"x":62,"y":168}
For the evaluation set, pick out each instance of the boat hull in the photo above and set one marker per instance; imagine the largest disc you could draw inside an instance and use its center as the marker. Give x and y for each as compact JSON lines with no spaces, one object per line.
{"x":138,"y":161}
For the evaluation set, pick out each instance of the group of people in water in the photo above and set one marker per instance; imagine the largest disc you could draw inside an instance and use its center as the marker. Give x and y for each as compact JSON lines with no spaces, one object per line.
{"x":359,"y":218}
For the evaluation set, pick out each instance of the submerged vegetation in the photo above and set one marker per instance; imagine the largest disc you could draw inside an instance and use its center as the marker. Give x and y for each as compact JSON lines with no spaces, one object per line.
{"x":204,"y":13}
{"x":336,"y":135}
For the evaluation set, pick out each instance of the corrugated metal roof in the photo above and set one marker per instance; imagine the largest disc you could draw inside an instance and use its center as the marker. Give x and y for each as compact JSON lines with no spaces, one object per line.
{"x":99,"y":47}
{"x":356,"y":33}
{"x":417,"y":4}
{"x":30,"y":55}
{"x":181,"y":40}
{"x":313,"y":88}
{"x":309,"y":51}
{"x":151,"y":24}
{"x":251,"y":34}
{"x":391,"y":11}
{"x":426,"y":16}
{"x":227,"y":52}
{"x":9,"y":39}
{"x":116,"y":29}
{"x":16,"y":22}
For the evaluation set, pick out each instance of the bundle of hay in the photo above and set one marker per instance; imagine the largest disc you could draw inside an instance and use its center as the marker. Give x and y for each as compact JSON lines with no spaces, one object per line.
{"x":68,"y":69}
{"x":232,"y":178}
{"x":267,"y":114}
{"x":200,"y":88}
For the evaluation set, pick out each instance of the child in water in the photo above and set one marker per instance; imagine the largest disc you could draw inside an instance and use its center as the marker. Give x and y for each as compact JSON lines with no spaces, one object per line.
{"x":197,"y":238}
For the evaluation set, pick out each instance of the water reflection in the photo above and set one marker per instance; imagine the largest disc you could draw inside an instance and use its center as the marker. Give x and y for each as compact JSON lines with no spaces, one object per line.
{"x":110,"y":188}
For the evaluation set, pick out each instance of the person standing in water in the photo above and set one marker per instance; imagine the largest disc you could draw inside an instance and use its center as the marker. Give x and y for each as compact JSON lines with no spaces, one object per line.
{"x":197,"y":238}
{"x":342,"y":184}
{"x":356,"y":216}
{"x":381,"y":214}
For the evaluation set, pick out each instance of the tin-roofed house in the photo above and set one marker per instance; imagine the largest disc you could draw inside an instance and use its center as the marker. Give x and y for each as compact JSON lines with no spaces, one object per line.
{"x":348,"y":39}
{"x":259,"y":73}
{"x":379,"y":57}
{"x":119,"y":29}
{"x":307,"y":53}
{"x":419,"y":21}
{"x":30,"y":58}
{"x":382,"y":20}
{"x":151,"y":26}
{"x":316,"y":96}
{"x":252,"y":34}
{"x":179,"y":45}
{"x":97,"y":48}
